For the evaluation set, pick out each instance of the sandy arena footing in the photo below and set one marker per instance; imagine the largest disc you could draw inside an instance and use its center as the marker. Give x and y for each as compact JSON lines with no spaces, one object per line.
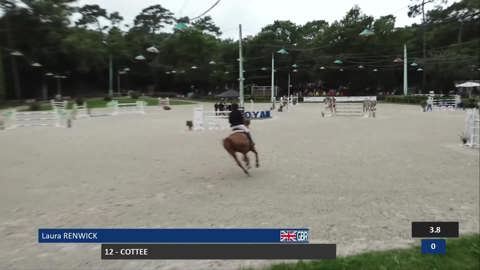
{"x":357,"y":182}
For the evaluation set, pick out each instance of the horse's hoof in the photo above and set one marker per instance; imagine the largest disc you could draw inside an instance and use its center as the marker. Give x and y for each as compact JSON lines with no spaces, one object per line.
{"x":257,"y":165}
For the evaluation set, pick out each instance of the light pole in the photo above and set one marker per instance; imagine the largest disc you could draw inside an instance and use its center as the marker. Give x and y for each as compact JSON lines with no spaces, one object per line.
{"x":288,"y":86}
{"x":290,"y":81}
{"x":119,"y":73}
{"x":118,"y":81}
{"x":405,"y":70}
{"x":110,"y":68}
{"x":16,"y":77}
{"x":3,"y":90}
{"x":153,"y":52}
{"x":59,"y":83}
{"x":272,"y":89}
{"x":295,"y":70}
{"x":45,"y":85}
{"x":110,"y":75}
{"x":281,"y":51}
{"x":240,"y":67}
{"x":38,"y":66}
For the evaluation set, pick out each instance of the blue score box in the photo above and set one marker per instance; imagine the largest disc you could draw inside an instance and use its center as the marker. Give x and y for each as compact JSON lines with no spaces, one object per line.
{"x":267,"y":236}
{"x":434,"y":246}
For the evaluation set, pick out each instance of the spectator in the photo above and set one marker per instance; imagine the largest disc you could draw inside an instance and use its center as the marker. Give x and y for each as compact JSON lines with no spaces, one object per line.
{"x":459,"y":102}
{"x":429,"y":103}
{"x":221,"y":107}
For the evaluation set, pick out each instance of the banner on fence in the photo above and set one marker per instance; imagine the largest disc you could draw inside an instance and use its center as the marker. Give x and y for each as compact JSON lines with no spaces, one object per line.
{"x":258,"y":115}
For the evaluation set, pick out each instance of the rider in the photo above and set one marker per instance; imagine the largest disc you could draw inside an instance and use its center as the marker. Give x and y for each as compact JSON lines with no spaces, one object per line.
{"x":237,"y":122}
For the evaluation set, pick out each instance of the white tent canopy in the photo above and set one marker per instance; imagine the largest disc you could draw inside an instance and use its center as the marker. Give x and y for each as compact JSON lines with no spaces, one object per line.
{"x":468,"y":84}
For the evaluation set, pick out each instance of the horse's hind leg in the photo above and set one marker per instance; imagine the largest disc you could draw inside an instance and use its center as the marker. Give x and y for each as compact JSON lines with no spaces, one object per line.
{"x":257,"y":162}
{"x":227,"y":145}
{"x":246,"y":160}
{"x":239,"y":164}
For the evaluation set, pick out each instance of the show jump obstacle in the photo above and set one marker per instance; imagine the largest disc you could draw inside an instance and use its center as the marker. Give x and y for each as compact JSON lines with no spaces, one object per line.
{"x":472,"y":128}
{"x":127,"y":108}
{"x":444,"y":104}
{"x":218,"y":120}
{"x":441,"y":103}
{"x":346,"y":106}
{"x":163,"y":102}
{"x":57,"y":117}
{"x":210,"y":120}
{"x":288,"y":102}
{"x":80,"y":111}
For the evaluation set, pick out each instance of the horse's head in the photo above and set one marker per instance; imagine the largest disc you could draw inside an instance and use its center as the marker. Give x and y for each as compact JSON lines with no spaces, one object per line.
{"x":246,"y":122}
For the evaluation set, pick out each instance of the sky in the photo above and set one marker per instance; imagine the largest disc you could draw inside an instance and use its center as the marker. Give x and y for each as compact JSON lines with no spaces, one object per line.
{"x":255,"y":14}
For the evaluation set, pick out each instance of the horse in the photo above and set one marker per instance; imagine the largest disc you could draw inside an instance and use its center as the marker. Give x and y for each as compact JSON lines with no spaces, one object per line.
{"x":238,"y":142}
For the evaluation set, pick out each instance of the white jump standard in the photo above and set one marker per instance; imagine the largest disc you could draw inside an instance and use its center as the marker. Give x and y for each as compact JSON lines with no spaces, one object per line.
{"x":211,"y":120}
{"x":59,"y":106}
{"x":472,"y":128}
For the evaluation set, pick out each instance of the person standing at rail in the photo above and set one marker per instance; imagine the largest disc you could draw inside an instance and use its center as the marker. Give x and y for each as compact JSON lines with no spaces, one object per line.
{"x":221,"y":107}
{"x":429,"y":103}
{"x":216,"y":108}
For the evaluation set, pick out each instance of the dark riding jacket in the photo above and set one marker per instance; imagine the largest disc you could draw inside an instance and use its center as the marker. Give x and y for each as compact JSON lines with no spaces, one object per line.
{"x":235,"y":118}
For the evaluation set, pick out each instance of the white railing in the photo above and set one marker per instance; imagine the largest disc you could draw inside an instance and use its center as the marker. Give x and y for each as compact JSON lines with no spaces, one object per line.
{"x":54,"y":118}
{"x":339,"y":99}
{"x":127,"y":108}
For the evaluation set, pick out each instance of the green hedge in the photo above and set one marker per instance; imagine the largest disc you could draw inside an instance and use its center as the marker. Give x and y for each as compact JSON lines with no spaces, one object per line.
{"x":471,"y":102}
{"x":406,"y":99}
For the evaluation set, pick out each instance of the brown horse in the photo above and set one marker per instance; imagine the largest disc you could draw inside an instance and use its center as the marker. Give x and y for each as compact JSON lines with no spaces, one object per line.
{"x":238,"y":142}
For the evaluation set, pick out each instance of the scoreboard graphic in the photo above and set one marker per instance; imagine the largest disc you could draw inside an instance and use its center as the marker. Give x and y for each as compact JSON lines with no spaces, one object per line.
{"x":432,"y":231}
{"x":200,"y":243}
{"x":294,"y":236}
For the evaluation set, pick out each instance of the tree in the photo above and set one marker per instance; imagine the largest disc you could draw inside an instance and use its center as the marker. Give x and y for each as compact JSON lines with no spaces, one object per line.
{"x":152,"y":19}
{"x":207,"y":25}
{"x":314,"y":29}
{"x":285,"y":31}
{"x":384,"y":25}
{"x":91,"y":14}
{"x":418,"y":8}
{"x":42,"y":32}
{"x":51,"y":11}
{"x":10,"y":8}
{"x":115,"y":19}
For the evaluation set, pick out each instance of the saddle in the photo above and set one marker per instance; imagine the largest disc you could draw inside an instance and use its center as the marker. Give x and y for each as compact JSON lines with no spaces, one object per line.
{"x":238,"y":130}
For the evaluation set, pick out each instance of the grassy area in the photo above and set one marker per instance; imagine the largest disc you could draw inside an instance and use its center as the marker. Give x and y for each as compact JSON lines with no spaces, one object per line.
{"x":462,"y":253}
{"x":10,"y":104}
{"x":100,"y":103}
{"x":405,"y":99}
